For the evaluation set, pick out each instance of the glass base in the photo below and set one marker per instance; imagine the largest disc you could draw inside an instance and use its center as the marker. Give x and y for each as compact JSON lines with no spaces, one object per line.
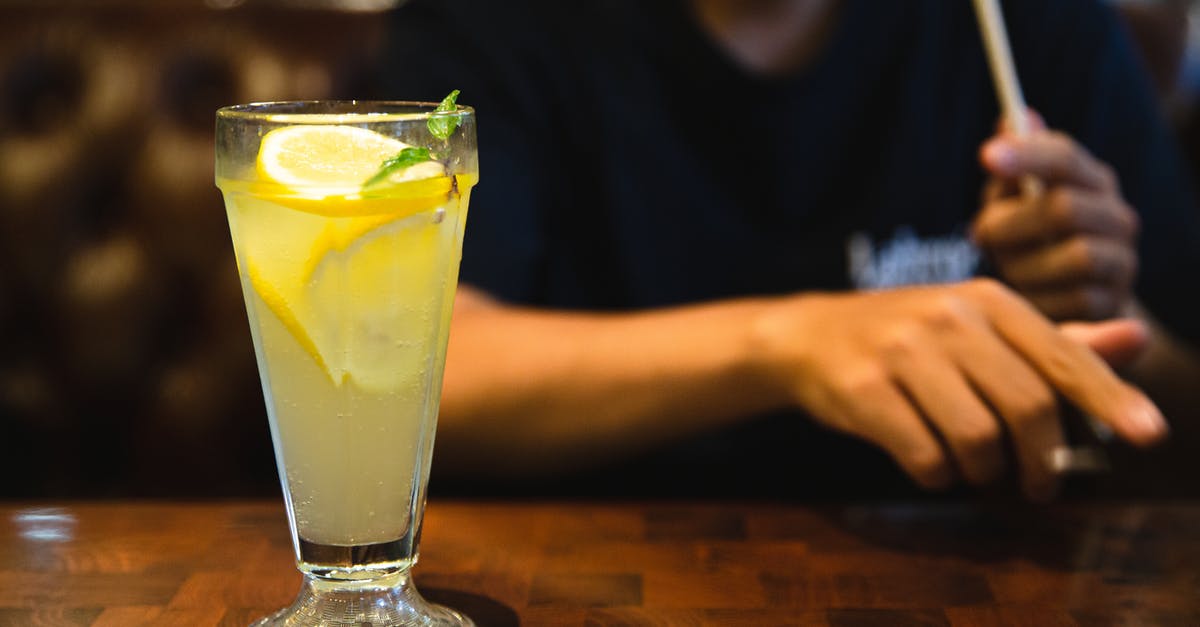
{"x":390,"y":600}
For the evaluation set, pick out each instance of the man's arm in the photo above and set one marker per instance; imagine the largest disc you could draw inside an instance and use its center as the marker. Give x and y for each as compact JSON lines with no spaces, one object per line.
{"x":531,"y":391}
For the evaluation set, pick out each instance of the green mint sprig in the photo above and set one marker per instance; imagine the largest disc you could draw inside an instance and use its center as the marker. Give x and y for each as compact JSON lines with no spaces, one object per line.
{"x":440,"y":125}
{"x":403,"y":159}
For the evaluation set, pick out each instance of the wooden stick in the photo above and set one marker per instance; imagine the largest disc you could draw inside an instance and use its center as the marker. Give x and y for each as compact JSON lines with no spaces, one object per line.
{"x":1004,"y":75}
{"x":1004,"y":72}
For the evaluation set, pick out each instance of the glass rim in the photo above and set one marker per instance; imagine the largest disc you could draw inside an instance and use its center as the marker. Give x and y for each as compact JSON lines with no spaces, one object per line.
{"x":356,"y":111}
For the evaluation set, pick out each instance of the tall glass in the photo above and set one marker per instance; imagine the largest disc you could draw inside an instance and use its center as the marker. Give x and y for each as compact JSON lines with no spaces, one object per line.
{"x":347,"y":222}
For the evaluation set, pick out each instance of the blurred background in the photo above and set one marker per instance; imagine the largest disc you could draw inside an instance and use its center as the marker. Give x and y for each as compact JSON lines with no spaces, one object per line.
{"x":125,"y":362}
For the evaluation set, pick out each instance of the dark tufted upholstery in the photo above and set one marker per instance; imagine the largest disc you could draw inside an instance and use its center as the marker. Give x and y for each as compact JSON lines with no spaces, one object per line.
{"x":125,"y":358}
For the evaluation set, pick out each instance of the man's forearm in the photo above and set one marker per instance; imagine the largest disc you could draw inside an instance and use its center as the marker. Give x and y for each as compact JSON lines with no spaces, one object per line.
{"x":550,"y":389}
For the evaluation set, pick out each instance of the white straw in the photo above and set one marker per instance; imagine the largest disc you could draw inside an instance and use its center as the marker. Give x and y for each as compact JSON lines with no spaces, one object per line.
{"x":1004,"y":73}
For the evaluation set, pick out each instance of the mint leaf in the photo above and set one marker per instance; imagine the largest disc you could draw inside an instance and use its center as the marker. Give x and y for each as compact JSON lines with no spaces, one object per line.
{"x":440,"y":125}
{"x":403,"y":159}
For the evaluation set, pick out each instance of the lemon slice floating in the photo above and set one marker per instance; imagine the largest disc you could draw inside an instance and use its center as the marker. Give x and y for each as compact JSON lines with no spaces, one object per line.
{"x":335,"y":160}
{"x":342,"y":269}
{"x":388,"y":281}
{"x":321,"y":169}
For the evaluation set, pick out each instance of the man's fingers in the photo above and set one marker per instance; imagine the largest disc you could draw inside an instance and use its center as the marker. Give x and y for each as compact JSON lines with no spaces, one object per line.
{"x":1118,"y":342}
{"x":1077,"y":302}
{"x":1070,"y":262}
{"x":1010,"y":222}
{"x":949,"y":403}
{"x":1076,"y":210}
{"x":1050,"y":156}
{"x":1020,"y":396}
{"x":1070,"y":367}
{"x":1036,"y":432}
{"x":997,"y":188}
{"x":887,"y":418}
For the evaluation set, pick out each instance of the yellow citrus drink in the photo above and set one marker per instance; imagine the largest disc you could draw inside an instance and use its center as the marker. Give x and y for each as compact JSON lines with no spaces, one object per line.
{"x":349,"y":317}
{"x":348,"y":272}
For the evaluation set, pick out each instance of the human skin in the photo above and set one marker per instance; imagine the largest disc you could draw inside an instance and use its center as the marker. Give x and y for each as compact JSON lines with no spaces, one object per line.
{"x":533,"y":391}
{"x":1071,"y":249}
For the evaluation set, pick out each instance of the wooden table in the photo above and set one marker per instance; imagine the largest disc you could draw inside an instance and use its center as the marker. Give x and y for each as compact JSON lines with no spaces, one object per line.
{"x":227,"y":563}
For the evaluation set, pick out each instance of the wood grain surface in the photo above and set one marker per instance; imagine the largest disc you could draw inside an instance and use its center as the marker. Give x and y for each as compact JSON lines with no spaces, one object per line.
{"x":227,"y":563}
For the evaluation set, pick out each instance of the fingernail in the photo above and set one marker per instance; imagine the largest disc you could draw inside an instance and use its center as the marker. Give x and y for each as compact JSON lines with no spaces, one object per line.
{"x":1000,"y":155}
{"x":1148,"y":420}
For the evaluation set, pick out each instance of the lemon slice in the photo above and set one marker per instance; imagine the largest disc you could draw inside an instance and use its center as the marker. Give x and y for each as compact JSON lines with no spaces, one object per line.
{"x":384,"y":287}
{"x":358,"y":295}
{"x":278,"y":304}
{"x":321,"y":169}
{"x":332,"y":159}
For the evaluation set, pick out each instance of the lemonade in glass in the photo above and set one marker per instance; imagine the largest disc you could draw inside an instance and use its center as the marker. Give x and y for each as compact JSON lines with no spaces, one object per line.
{"x":347,"y":223}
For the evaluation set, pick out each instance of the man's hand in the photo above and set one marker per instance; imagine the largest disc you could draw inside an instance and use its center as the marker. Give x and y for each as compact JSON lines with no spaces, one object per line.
{"x":1071,"y":249}
{"x":941,"y":376}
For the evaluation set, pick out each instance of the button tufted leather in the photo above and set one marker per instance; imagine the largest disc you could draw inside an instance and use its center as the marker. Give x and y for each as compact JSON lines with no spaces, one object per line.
{"x":125,"y":358}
